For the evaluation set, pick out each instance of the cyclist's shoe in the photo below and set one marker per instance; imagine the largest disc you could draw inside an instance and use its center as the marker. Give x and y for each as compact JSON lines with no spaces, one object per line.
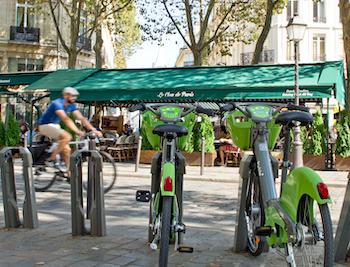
{"x":51,"y":163}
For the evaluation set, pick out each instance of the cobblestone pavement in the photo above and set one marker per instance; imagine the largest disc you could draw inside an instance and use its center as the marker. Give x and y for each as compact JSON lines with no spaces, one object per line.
{"x":209,"y":214}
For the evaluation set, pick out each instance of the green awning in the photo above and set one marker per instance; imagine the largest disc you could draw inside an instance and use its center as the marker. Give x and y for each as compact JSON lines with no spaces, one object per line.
{"x":60,"y":79}
{"x":260,"y":82}
{"x":21,"y":78}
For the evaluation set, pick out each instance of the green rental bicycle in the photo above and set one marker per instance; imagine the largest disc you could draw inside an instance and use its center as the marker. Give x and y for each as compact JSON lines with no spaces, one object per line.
{"x":298,"y":223}
{"x":167,"y":126}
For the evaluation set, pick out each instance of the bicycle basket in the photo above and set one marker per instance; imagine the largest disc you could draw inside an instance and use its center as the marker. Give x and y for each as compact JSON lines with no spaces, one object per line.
{"x":240,"y":131}
{"x":150,"y":120}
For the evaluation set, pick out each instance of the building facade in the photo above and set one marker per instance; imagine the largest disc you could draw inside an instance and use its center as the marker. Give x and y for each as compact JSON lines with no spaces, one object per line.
{"x":323,"y":39}
{"x":29,"y":42}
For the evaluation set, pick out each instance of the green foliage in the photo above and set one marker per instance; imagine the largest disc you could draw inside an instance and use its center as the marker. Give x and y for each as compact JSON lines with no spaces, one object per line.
{"x":343,"y":136}
{"x":317,"y":145}
{"x":66,"y":128}
{"x":12,"y":132}
{"x":204,"y":129}
{"x":303,"y":137}
{"x":145,"y":145}
{"x":233,"y":21}
{"x":194,"y":141}
{"x":2,"y":134}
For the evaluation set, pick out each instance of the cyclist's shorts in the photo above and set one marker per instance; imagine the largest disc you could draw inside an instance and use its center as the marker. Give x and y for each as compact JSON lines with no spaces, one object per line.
{"x":51,"y":130}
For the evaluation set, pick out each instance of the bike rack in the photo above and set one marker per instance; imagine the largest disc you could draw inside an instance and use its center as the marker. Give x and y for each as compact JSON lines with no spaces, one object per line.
{"x":240,"y":240}
{"x":342,"y":237}
{"x":156,"y":179}
{"x":30,"y":216}
{"x":96,"y":197}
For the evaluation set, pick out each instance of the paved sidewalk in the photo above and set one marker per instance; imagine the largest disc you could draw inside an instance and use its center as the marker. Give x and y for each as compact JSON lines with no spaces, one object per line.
{"x":209,"y":214}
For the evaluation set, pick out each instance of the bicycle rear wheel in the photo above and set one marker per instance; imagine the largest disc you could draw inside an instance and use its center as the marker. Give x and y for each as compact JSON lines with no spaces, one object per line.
{"x":254,"y":213}
{"x":316,"y":245}
{"x":43,"y":178}
{"x":165,"y":231}
{"x":109,"y":171}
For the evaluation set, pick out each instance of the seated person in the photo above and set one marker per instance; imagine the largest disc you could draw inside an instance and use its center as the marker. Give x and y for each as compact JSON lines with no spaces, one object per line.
{"x":222,"y":135}
{"x":228,"y":146}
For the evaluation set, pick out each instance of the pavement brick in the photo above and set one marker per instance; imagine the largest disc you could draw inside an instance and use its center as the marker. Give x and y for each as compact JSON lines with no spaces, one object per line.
{"x":209,"y":214}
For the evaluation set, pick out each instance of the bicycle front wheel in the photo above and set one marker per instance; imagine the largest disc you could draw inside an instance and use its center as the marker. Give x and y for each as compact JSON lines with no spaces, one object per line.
{"x":43,"y":178}
{"x":109,"y":171}
{"x":165,"y":231}
{"x":254,"y":213}
{"x":315,"y":246}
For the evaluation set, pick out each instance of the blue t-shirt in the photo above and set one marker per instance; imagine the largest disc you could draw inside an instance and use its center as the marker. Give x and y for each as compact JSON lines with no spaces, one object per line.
{"x":50,"y":116}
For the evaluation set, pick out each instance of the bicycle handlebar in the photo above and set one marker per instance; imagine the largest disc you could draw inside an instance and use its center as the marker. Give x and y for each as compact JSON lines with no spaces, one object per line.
{"x":141,"y":107}
{"x":291,"y":106}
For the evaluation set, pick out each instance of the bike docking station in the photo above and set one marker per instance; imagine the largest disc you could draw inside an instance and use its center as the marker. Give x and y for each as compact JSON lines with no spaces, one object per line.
{"x":95,"y":193}
{"x":146,"y":196}
{"x":342,"y":237}
{"x":240,"y":240}
{"x":11,"y":213}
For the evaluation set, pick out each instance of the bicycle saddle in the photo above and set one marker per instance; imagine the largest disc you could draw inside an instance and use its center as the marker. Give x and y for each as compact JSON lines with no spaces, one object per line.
{"x":160,"y":129}
{"x":285,"y":118}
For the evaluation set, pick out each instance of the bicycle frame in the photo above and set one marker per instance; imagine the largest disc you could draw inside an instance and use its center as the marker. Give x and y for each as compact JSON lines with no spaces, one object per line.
{"x":280,"y":212}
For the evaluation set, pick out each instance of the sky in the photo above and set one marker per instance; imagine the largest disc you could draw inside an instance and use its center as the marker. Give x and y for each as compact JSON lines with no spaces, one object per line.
{"x":145,"y":57}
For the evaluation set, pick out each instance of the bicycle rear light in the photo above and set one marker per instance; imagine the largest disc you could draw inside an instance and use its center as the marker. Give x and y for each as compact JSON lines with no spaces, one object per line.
{"x":323,"y":190}
{"x":168,"y":184}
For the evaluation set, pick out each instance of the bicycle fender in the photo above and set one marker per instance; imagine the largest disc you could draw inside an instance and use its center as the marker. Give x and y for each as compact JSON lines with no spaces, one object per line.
{"x":168,"y":177}
{"x":301,"y":181}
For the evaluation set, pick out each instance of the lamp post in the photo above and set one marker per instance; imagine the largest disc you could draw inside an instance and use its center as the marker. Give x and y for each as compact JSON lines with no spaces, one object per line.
{"x":295,"y":31}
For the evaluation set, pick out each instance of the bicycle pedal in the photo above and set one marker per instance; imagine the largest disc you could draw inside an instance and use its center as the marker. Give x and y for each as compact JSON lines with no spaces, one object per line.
{"x":264,"y":231}
{"x":185,"y":249}
{"x":143,"y":195}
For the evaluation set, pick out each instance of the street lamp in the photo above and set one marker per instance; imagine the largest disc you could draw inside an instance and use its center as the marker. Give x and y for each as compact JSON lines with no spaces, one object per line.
{"x":295,"y":31}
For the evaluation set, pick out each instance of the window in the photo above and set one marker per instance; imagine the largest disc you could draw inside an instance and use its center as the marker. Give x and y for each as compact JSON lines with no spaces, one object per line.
{"x":25,"y":64}
{"x":289,"y":50}
{"x":319,"y":48}
{"x":319,"y":12}
{"x":25,"y":13}
{"x":292,"y":8}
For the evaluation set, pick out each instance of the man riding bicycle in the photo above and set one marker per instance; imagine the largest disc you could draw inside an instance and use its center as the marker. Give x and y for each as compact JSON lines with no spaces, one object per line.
{"x":49,"y":125}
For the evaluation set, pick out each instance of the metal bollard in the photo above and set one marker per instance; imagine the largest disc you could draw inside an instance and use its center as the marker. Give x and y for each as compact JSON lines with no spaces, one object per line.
{"x":98,"y":221}
{"x":139,"y":142}
{"x":30,"y":217}
{"x":342,"y":237}
{"x":202,"y":156}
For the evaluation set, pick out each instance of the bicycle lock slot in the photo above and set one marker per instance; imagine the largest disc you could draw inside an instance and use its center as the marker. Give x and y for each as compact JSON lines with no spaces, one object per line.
{"x":95,"y":196}
{"x":11,"y":213}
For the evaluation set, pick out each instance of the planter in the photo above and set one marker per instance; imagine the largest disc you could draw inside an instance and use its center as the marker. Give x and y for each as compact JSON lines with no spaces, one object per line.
{"x":147,"y":155}
{"x":193,"y":159}
{"x":342,"y":164}
{"x":315,"y":162}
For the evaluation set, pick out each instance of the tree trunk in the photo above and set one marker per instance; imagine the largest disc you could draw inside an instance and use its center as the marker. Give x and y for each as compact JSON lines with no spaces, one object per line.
{"x":72,"y":59}
{"x":98,"y":46}
{"x":262,"y":38}
{"x":345,"y":18}
{"x":197,"y":57}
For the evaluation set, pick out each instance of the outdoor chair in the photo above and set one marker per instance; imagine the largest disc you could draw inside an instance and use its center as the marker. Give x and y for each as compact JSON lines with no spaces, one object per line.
{"x":116,"y":150}
{"x":233,"y":156}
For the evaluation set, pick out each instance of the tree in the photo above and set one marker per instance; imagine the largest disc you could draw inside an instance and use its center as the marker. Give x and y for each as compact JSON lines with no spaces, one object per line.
{"x":343,"y":136}
{"x":127,"y":36}
{"x":344,"y":6}
{"x":82,"y":21}
{"x":317,"y":145}
{"x":12,"y":131}
{"x":119,"y":17}
{"x":272,"y":7}
{"x":2,"y":133}
{"x":233,"y":21}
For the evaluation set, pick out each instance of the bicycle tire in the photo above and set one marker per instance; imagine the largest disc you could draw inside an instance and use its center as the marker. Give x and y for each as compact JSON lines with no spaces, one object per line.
{"x":42,"y":178}
{"x":316,"y":246}
{"x":255,"y":215}
{"x":108,"y":164}
{"x":165,"y":231}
